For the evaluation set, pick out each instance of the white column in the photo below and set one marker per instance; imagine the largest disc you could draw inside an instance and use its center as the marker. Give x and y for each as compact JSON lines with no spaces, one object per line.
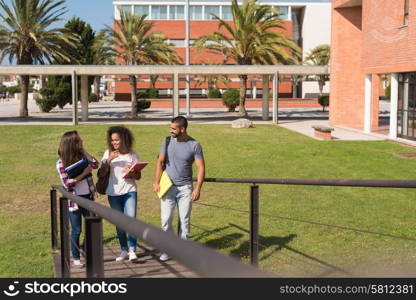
{"x":367,"y":103}
{"x":175,"y":95}
{"x":394,"y":98}
{"x":84,"y":98}
{"x":405,"y":120}
{"x":265,"y":106}
{"x":74,"y":99}
{"x":275,"y":97}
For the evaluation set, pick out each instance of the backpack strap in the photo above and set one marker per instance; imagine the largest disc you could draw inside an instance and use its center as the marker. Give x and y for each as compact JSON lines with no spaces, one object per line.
{"x":166,"y":161}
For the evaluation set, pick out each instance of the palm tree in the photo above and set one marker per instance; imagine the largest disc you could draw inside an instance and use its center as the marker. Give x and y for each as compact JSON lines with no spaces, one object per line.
{"x":25,"y":36}
{"x":136,"y":44}
{"x":254,"y":38}
{"x":212,"y":80}
{"x":103,"y":54}
{"x":296,"y":78}
{"x":171,"y":58}
{"x":320,"y":56}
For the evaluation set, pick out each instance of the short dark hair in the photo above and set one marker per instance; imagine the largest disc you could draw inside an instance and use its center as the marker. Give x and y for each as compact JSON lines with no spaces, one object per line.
{"x":126,"y":137}
{"x":181,"y":121}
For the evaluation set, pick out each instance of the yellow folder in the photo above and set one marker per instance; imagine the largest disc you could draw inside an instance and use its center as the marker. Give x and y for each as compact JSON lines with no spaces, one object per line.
{"x":164,"y":184}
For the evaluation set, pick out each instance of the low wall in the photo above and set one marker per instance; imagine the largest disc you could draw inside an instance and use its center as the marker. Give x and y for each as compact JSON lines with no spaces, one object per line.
{"x":217,"y":103}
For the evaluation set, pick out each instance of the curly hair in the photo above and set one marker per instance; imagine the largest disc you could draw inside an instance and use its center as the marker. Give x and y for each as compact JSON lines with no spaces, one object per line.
{"x":126,"y":138}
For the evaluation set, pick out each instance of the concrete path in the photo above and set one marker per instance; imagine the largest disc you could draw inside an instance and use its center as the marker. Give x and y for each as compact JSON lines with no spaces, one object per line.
{"x":339,"y":133}
{"x":299,"y":120}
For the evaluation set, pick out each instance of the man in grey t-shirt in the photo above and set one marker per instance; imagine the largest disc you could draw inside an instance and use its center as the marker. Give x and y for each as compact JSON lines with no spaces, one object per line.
{"x":183,"y":150}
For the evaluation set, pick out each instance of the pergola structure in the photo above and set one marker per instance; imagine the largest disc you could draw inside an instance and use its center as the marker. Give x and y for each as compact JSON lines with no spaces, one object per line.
{"x":83,"y":71}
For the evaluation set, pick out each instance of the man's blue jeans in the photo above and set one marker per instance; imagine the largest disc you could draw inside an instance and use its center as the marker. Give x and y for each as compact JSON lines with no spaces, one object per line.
{"x":182,"y":197}
{"x":126,"y":204}
{"x":76,"y":227}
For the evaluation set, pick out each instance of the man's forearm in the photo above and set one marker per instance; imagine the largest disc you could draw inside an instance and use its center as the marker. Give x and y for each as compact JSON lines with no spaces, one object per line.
{"x":200,"y":179}
{"x":158,"y":172}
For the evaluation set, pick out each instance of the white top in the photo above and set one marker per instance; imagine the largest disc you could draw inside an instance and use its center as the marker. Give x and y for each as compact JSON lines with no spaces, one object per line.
{"x":117,"y":185}
{"x":82,"y":188}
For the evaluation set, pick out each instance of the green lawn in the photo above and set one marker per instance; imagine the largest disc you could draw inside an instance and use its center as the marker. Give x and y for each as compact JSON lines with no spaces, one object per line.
{"x":289,"y":247}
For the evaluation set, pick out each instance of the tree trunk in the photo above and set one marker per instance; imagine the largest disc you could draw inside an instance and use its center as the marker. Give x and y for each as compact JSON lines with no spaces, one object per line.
{"x":321,"y":83}
{"x":133,"y":87}
{"x":295,"y":87}
{"x":211,"y":85}
{"x":24,"y":96}
{"x":153,"y":79}
{"x":97,"y":80}
{"x":243,"y":88}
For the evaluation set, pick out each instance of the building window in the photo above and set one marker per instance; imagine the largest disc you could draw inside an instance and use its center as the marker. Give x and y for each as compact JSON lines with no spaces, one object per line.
{"x":210,"y":10}
{"x":406,"y":13}
{"x":176,"y":12}
{"x":159,"y":12}
{"x":141,"y":10}
{"x":406,"y":112}
{"x":126,"y":9}
{"x":284,"y":12}
{"x":226,"y":13}
{"x":195,"y":12}
{"x":177,"y":43}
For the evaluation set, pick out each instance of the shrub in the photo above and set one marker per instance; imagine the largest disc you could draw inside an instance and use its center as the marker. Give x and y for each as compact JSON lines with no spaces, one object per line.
{"x":387,"y":92}
{"x":93,"y":98}
{"x":214,"y":93}
{"x":143,"y":104}
{"x":45,"y":104}
{"x":3,"y":89}
{"x":152,"y":93}
{"x":14,"y":89}
{"x":231,"y":99}
{"x":323,"y":101}
{"x":141,"y":95}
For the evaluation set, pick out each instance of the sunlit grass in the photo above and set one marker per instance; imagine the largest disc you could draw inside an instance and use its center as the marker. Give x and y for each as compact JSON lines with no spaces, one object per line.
{"x":289,"y":248}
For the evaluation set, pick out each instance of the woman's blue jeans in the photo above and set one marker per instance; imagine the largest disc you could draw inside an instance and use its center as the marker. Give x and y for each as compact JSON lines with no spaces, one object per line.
{"x":76,"y":226}
{"x":126,"y":204}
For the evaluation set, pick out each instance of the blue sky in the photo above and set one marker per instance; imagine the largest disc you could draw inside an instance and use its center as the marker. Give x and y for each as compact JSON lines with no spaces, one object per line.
{"x":95,"y":12}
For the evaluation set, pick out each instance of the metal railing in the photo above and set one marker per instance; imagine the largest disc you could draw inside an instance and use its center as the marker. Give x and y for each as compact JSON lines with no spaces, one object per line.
{"x":254,"y":199}
{"x":202,"y":260}
{"x":198,"y":258}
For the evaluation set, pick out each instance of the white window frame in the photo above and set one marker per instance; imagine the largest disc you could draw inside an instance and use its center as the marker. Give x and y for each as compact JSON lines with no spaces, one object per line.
{"x":208,"y":17}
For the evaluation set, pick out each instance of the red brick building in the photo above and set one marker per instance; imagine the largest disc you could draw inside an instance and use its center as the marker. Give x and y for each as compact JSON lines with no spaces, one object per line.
{"x":169,"y":18}
{"x":371,"y":39}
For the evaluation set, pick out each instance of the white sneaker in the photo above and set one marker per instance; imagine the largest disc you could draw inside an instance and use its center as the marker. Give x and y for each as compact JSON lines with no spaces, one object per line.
{"x":132,"y":256}
{"x":77,"y":264}
{"x":164,"y":257}
{"x":123,"y":255}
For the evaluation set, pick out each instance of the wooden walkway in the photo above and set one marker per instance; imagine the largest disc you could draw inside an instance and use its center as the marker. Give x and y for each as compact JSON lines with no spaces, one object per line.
{"x":147,"y":265}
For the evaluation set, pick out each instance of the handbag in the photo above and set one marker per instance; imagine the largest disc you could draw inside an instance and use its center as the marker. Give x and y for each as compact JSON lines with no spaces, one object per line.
{"x":103,"y":175}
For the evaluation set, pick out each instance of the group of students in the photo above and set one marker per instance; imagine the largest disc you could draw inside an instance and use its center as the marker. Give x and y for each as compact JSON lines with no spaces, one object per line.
{"x":177,"y":154}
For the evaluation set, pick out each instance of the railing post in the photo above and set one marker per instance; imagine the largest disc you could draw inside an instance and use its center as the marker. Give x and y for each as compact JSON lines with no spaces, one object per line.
{"x":94,"y":247}
{"x":64,"y":222}
{"x":254,"y":225}
{"x":54,"y":232}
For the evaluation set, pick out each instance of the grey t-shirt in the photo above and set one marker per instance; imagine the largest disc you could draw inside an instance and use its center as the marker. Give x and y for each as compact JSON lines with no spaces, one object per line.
{"x":181,"y":156}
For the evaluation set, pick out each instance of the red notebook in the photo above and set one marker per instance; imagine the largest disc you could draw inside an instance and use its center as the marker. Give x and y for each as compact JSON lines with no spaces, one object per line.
{"x":136,"y":168}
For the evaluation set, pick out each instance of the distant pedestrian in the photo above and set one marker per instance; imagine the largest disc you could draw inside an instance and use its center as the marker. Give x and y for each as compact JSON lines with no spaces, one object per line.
{"x":182,"y":151}
{"x":74,"y":167}
{"x":121,"y":191}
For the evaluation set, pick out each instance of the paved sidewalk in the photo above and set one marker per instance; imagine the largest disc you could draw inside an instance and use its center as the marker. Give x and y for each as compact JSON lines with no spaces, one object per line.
{"x":299,"y":120}
{"x":339,"y":133}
